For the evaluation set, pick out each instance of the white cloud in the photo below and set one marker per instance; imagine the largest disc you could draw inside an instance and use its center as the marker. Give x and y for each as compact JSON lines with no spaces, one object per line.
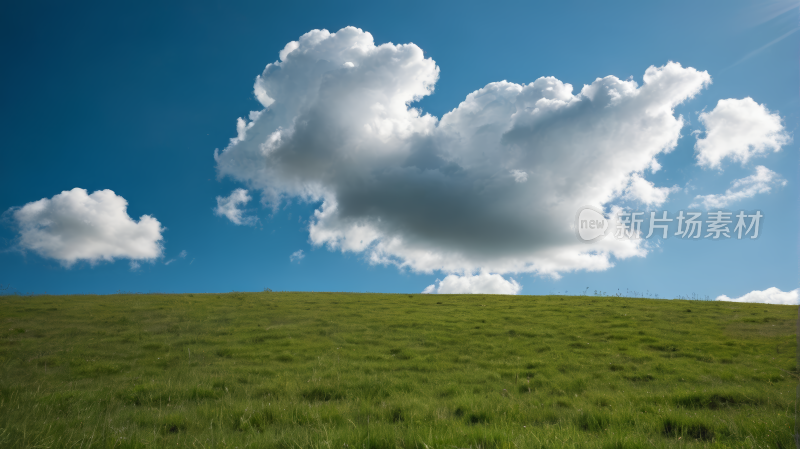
{"x":479,"y":283}
{"x":406,"y":188}
{"x":519,"y":176}
{"x":228,"y":206}
{"x":74,"y":226}
{"x":740,"y":130}
{"x":646,"y":192}
{"x":297,"y":256}
{"x":771,"y":295}
{"x":761,"y":181}
{"x":182,"y":255}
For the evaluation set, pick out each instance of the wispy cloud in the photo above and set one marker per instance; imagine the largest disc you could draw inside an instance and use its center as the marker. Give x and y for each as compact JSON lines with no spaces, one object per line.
{"x":762,"y":181}
{"x":780,"y":14}
{"x":762,"y":48}
{"x":297,"y":256}
{"x":228,"y":206}
{"x":763,"y":11}
{"x":182,"y":255}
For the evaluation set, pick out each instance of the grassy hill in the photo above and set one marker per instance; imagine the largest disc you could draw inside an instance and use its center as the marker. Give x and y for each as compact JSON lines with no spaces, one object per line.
{"x":342,"y":370}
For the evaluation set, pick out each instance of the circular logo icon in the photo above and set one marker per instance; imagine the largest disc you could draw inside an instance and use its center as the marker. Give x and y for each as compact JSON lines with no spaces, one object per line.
{"x":590,"y":224}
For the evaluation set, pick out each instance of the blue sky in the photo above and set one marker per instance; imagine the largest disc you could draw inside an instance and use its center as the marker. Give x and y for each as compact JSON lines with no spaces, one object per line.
{"x":135,"y":97}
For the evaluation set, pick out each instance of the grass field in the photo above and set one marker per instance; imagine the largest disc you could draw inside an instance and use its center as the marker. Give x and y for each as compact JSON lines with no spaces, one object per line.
{"x":341,"y":370}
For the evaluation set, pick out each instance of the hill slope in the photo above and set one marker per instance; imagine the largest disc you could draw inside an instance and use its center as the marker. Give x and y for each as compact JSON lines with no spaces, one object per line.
{"x":338,"y":370}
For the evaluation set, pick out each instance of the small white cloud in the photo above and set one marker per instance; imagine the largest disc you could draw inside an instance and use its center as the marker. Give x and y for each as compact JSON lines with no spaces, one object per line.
{"x":74,"y":225}
{"x":182,"y":255}
{"x":229,"y":207}
{"x":646,"y":192}
{"x":761,"y":181}
{"x":771,"y":295}
{"x":297,"y":256}
{"x":135,"y":265}
{"x":479,"y":283}
{"x":739,"y":129}
{"x":519,"y":176}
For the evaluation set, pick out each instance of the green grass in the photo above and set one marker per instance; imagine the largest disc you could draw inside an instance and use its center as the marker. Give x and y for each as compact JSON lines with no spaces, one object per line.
{"x":325,"y":370}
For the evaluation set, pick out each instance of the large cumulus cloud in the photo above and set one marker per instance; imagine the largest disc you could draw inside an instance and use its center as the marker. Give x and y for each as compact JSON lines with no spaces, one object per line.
{"x":74,"y":226}
{"x":493,"y":186}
